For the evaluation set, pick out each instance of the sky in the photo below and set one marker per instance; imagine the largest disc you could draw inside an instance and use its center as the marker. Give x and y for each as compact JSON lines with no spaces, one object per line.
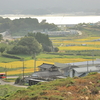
{"x":63,"y":5}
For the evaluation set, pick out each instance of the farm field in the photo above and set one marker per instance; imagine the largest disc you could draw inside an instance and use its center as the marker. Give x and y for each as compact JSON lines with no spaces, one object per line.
{"x":76,"y":44}
{"x":15,"y":67}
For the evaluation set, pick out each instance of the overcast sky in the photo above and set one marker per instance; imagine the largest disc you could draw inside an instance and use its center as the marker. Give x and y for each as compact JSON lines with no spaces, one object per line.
{"x":45,"y":4}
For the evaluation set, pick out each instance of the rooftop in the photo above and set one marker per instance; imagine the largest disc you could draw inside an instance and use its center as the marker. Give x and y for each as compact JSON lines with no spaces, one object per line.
{"x":86,"y":69}
{"x":44,"y":65}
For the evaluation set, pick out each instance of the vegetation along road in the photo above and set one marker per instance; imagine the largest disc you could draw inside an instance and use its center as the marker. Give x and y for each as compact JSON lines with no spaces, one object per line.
{"x":11,"y":83}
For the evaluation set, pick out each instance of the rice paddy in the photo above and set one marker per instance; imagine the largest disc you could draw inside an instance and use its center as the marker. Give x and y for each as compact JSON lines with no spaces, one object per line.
{"x":78,"y":48}
{"x":63,"y":44}
{"x":28,"y":66}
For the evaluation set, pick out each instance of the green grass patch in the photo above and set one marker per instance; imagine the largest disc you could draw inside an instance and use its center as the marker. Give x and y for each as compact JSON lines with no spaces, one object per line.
{"x":63,"y":55}
{"x":6,"y":90}
{"x":6,"y":60}
{"x":9,"y":79}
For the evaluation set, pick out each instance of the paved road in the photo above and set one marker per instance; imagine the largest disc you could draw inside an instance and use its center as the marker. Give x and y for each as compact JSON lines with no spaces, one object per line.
{"x":11,"y":83}
{"x":3,"y":83}
{"x":12,"y":76}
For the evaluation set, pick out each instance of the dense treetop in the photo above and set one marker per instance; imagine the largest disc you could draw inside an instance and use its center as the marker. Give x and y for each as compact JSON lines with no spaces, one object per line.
{"x":30,"y":44}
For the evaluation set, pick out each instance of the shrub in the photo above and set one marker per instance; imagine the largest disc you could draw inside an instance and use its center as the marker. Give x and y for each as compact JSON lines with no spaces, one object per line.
{"x":18,"y":80}
{"x":11,"y":56}
{"x":92,"y":73}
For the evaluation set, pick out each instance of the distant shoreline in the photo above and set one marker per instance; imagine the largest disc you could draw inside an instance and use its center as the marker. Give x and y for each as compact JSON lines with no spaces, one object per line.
{"x":58,"y":18}
{"x":62,"y":14}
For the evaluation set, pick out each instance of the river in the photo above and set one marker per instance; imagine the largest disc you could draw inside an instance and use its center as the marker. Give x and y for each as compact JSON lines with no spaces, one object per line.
{"x":58,"y":19}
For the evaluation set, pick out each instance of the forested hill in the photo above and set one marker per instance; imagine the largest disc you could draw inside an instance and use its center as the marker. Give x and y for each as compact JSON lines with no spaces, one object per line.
{"x":23,"y":26}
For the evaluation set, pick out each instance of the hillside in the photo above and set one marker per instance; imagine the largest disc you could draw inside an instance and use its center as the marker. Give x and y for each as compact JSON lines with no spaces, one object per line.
{"x":85,"y":88}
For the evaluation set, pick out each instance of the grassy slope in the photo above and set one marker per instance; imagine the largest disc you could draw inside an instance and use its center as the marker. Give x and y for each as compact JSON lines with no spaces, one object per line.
{"x":62,"y":89}
{"x":6,"y":90}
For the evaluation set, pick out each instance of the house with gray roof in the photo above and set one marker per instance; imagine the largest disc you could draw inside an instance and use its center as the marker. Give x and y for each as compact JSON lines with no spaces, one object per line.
{"x":47,"y":72}
{"x":48,"y":67}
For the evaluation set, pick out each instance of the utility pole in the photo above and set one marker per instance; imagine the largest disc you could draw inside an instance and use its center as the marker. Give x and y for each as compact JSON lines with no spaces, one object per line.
{"x":5,"y":71}
{"x":34,"y":62}
{"x":23,"y":68}
{"x":93,"y":57}
{"x":87,"y":67}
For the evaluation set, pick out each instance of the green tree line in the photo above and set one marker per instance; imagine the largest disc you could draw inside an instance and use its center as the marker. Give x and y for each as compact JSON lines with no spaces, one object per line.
{"x":24,"y":25}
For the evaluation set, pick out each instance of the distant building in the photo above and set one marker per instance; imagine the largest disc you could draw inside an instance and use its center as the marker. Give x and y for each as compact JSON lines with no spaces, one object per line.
{"x":6,"y":35}
{"x":61,"y":33}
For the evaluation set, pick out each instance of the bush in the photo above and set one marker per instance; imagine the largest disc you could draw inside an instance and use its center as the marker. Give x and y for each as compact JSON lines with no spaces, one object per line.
{"x":18,"y":80}
{"x":92,"y":73}
{"x":56,"y":49}
{"x":11,"y":56}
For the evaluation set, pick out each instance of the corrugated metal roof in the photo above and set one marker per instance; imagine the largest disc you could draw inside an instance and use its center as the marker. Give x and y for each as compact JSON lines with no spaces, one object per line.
{"x":86,"y":69}
{"x":46,"y":74}
{"x":44,"y":65}
{"x":38,"y":80}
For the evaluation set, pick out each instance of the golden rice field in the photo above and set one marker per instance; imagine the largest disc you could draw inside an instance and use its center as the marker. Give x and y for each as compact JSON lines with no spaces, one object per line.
{"x":29,"y":65}
{"x":78,"y":48}
{"x":65,"y":60}
{"x":88,"y":39}
{"x":77,"y":43}
{"x":63,"y":44}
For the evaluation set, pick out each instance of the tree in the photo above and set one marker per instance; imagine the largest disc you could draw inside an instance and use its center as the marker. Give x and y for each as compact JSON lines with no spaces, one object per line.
{"x":19,"y":49}
{"x":1,"y":37}
{"x":2,"y":47}
{"x":26,"y":45}
{"x":56,"y":49}
{"x":44,"y":40}
{"x":24,"y":25}
{"x":31,"y":43}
